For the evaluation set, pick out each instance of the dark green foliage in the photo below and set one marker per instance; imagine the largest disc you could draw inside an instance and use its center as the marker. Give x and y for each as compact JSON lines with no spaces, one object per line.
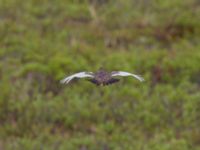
{"x":41,"y":42}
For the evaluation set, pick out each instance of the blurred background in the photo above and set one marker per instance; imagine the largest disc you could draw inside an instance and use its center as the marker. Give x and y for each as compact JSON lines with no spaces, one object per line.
{"x":42,"y":41}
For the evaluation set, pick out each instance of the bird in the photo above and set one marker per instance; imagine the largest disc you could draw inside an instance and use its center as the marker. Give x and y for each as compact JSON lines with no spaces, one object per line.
{"x":101,"y":77}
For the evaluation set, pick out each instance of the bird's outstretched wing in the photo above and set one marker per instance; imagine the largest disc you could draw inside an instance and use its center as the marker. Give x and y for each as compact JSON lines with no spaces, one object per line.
{"x":123,"y":73}
{"x":111,"y":81}
{"x":77,"y":75}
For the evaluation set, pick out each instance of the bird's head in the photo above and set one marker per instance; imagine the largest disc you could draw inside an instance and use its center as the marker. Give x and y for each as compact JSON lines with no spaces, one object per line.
{"x":101,"y":70}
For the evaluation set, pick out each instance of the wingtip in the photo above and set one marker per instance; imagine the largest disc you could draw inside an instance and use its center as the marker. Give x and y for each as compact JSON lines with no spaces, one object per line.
{"x":63,"y":81}
{"x":141,"y":79}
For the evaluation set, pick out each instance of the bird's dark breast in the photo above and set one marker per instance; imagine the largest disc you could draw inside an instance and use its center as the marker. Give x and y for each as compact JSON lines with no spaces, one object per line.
{"x":102,"y":77}
{"x":111,"y":81}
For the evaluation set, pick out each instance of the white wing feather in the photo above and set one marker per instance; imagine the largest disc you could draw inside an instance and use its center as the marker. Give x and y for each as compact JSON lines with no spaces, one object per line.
{"x":123,"y":73}
{"x":77,"y":75}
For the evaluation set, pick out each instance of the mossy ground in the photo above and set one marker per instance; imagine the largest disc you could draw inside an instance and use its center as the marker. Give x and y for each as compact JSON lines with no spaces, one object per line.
{"x":42,"y":41}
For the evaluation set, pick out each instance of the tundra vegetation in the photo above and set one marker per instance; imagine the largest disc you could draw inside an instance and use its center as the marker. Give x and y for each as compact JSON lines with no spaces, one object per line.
{"x":42,"y":41}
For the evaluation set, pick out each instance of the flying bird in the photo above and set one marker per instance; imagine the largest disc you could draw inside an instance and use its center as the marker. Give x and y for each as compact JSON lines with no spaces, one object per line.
{"x":101,"y":77}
